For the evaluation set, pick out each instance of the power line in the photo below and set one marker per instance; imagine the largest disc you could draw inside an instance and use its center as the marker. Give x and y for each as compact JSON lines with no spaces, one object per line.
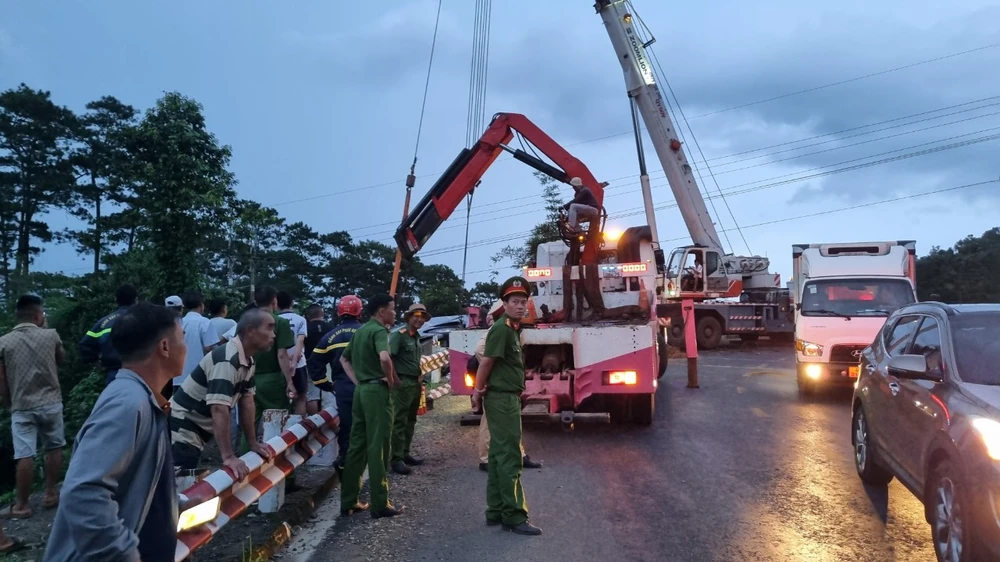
{"x":640,"y":210}
{"x":776,"y":181}
{"x":606,"y":137}
{"x":849,"y":80}
{"x":788,"y":219}
{"x":660,"y":171}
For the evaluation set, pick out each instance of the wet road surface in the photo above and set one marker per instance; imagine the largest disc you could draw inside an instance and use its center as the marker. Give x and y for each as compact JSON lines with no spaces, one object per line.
{"x":740,"y":469}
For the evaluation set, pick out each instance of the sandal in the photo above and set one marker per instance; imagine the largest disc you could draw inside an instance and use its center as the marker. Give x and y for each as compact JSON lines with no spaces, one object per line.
{"x":49,"y":504}
{"x":9,"y":513}
{"x":15,"y":545}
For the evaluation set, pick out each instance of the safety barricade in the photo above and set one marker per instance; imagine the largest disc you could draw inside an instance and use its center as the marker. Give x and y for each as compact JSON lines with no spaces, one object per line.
{"x":433,"y":361}
{"x":223,"y":499}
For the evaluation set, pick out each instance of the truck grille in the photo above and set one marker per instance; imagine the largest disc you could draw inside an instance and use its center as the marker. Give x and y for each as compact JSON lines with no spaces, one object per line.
{"x":846,"y":353}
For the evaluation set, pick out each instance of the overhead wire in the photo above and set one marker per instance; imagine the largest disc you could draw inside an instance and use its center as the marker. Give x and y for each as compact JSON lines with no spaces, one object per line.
{"x":507,"y":201}
{"x":773,"y":179}
{"x":606,"y":137}
{"x":478,"y":79}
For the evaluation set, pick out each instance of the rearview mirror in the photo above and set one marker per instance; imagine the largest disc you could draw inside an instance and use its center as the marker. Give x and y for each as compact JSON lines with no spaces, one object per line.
{"x":910,"y":367}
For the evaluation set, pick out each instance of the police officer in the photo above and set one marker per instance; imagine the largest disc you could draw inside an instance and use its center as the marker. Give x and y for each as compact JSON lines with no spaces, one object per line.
{"x":327,"y":352}
{"x":498,"y":388}
{"x":404,"y":346}
{"x":96,"y":344}
{"x":367,"y":361}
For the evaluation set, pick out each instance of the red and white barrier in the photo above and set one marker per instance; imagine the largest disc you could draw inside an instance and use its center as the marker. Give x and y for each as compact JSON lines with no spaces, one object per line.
{"x":289,"y":450}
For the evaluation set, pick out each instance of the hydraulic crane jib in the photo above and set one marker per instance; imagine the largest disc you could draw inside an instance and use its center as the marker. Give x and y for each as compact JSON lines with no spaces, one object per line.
{"x":464,"y":173}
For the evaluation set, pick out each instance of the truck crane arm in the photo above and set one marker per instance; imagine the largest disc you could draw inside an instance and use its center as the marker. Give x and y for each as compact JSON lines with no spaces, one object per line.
{"x":464,"y":173}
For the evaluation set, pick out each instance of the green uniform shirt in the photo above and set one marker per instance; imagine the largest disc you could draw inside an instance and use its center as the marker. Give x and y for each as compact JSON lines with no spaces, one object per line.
{"x":405,"y":350}
{"x":267,"y":361}
{"x":503,"y":344}
{"x":363,"y":352}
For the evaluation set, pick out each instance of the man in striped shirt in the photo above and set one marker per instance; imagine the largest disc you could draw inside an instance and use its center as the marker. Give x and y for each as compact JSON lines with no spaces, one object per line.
{"x":200,"y":408}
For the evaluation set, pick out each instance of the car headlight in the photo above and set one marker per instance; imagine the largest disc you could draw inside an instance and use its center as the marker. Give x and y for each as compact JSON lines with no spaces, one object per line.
{"x":198,"y":515}
{"x":809,"y":349}
{"x":989,"y":431}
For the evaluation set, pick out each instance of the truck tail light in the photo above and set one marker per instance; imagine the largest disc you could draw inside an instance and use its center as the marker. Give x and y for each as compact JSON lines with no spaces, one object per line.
{"x":469,"y":380}
{"x":628,"y":378}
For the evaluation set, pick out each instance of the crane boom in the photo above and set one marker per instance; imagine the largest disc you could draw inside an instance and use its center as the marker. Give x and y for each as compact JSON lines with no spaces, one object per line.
{"x":641,"y":86}
{"x":464,"y":173}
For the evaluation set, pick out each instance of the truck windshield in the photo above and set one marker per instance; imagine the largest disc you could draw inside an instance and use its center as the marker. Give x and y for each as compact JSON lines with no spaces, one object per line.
{"x":855,"y":297}
{"x":977,"y":349}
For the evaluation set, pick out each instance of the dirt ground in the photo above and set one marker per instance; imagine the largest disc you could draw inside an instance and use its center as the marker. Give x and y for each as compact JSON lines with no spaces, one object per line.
{"x":233,"y":543}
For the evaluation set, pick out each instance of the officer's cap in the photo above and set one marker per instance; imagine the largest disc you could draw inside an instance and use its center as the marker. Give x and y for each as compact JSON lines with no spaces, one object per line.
{"x":513,"y":286}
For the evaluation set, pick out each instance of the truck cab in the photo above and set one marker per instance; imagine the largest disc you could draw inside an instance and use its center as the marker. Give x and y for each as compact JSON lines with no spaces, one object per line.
{"x":843,"y":294}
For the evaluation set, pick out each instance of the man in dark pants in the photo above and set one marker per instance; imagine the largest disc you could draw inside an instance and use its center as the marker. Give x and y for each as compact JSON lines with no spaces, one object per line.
{"x":404,"y":346}
{"x":96,"y":343}
{"x":498,"y":388}
{"x":328,"y":352}
{"x":368,"y":363}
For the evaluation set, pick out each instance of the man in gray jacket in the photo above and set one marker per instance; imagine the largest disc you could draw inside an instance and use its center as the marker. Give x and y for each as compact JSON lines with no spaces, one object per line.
{"x":118,"y":500}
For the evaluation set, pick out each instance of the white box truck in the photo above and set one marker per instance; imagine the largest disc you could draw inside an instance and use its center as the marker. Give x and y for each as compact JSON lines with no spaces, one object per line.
{"x":843,"y":293}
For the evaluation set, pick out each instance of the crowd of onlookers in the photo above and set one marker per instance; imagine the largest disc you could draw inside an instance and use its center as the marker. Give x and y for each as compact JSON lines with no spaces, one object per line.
{"x":178,"y":377}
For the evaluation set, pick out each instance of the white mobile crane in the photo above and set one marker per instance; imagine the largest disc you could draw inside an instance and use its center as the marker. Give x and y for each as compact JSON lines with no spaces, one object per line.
{"x":702,"y":271}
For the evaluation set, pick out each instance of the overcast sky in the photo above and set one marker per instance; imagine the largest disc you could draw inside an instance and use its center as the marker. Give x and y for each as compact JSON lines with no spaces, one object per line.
{"x":320,"y":101}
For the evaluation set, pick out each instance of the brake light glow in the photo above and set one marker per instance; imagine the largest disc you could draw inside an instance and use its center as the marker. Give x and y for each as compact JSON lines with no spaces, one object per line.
{"x":470,"y":380}
{"x":622,"y":377}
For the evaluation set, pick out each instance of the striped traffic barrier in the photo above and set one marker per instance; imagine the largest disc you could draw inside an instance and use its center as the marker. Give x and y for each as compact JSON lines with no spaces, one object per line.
{"x":289,"y":450}
{"x":433,"y":361}
{"x":440,"y":391}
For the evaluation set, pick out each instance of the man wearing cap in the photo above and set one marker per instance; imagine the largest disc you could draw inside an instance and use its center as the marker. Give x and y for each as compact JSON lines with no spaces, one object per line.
{"x":583,"y":205}
{"x":496,"y":311}
{"x":498,"y":388}
{"x":404,"y":346}
{"x":175,"y":304}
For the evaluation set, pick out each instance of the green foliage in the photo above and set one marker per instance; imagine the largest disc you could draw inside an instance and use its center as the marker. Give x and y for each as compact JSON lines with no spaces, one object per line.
{"x":35,"y":175}
{"x":180,"y":183}
{"x":546,"y":231}
{"x":484,"y":293}
{"x":964,"y":273}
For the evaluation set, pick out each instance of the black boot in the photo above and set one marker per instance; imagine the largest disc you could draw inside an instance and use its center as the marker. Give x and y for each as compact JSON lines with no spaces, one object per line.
{"x":411,"y":460}
{"x":485,"y":467}
{"x":528,"y":463}
{"x":523,"y":529}
{"x":399,"y":467}
{"x":389,"y":511}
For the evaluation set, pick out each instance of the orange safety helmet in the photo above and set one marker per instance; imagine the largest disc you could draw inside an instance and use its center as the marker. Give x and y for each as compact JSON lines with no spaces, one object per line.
{"x":349,"y":305}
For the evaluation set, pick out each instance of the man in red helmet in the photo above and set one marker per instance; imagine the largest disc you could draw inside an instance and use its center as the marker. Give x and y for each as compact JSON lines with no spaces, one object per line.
{"x":327,"y":354}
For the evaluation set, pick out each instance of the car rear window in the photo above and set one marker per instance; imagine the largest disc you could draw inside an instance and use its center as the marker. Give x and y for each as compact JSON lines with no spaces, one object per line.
{"x":977,"y":346}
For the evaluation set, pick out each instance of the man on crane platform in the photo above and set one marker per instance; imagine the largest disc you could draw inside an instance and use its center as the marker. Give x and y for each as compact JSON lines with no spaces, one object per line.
{"x":583,"y":206}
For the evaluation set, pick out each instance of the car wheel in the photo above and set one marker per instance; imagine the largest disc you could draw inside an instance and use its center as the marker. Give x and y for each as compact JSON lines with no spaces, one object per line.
{"x":643,"y":408}
{"x":865,"y":456}
{"x":950,"y":516}
{"x":662,"y":354}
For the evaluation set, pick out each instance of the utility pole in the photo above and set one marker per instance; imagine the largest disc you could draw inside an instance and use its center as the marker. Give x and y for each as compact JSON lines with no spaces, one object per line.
{"x":253,"y":270}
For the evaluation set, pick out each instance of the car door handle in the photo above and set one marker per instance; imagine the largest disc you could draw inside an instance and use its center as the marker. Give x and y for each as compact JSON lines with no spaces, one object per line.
{"x":894,"y":388}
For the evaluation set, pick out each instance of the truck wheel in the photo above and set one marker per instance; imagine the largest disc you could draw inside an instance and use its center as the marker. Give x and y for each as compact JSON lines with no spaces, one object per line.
{"x":661,"y":352}
{"x":709,"y":333}
{"x":675,"y":336}
{"x":643,"y":408}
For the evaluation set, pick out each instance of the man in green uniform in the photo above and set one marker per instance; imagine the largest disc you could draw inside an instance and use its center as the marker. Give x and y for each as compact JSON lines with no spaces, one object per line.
{"x":498,"y":389}
{"x":368,"y":364}
{"x":275,"y":388}
{"x":404,"y":346}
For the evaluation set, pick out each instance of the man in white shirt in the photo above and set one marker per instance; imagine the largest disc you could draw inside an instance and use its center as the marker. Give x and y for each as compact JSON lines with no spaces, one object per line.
{"x":297,"y":354}
{"x":199,"y":335}
{"x":218,"y":310}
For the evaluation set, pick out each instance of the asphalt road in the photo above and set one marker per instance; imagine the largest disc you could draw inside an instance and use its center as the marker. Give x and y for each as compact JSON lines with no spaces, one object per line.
{"x":740,"y":469}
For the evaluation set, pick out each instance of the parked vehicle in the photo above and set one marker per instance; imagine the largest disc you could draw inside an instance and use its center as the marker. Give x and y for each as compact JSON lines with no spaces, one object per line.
{"x":926,"y":411}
